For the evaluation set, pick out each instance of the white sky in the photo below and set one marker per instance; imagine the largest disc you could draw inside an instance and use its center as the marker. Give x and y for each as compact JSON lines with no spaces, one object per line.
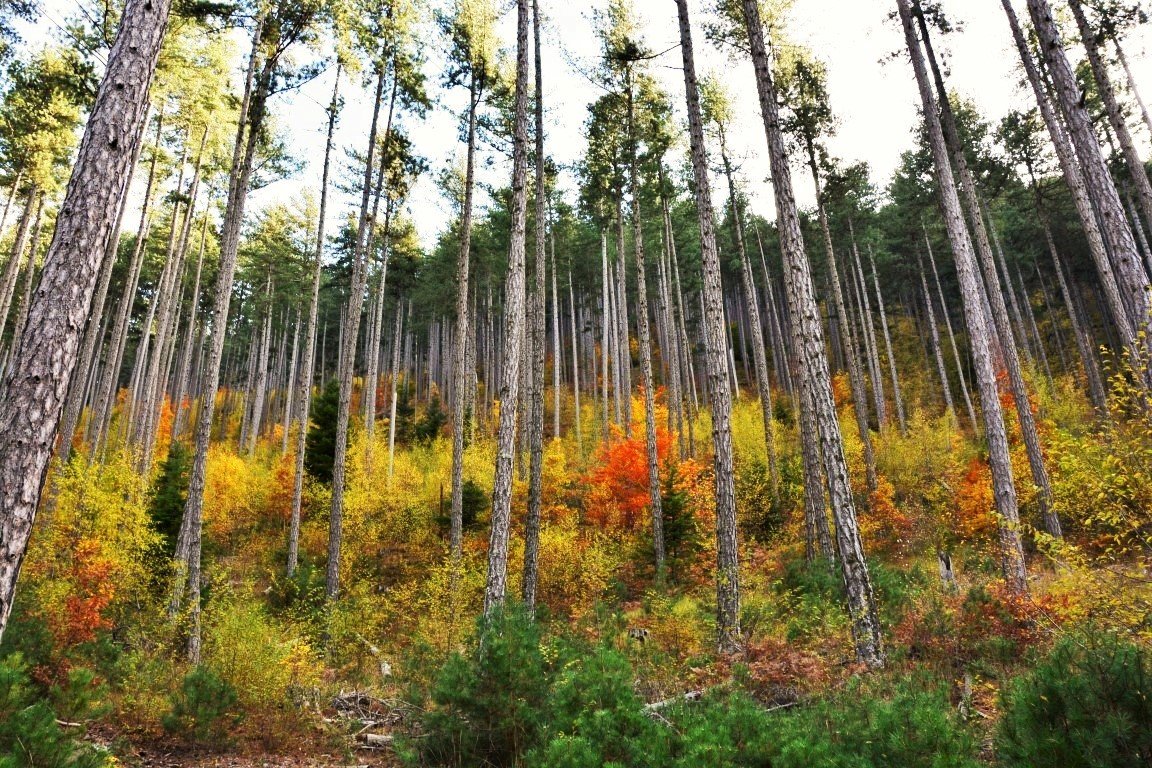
{"x":873,"y":95}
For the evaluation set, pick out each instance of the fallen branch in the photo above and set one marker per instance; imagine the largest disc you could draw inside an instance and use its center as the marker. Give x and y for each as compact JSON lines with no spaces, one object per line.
{"x":656,"y":706}
{"x":376,"y":741}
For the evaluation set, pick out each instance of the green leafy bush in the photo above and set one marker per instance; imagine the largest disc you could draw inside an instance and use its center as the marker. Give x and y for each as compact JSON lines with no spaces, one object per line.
{"x":204,"y":709}
{"x":320,"y":447}
{"x":30,"y":736}
{"x":597,"y":719}
{"x":169,"y":492}
{"x":429,"y":425}
{"x":1087,"y":704}
{"x":762,"y":512}
{"x":911,"y":726}
{"x":487,"y":704}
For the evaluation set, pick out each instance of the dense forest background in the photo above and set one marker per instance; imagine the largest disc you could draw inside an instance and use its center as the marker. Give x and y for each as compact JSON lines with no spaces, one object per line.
{"x":625,"y":466}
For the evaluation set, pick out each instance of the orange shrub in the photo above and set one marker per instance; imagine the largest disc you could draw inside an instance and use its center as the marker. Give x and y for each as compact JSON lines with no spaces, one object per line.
{"x":618,"y":487}
{"x":975,"y":518}
{"x":885,"y":527}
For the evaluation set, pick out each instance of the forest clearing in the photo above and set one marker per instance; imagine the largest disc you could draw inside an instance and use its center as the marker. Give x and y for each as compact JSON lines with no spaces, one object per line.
{"x":639,"y":383}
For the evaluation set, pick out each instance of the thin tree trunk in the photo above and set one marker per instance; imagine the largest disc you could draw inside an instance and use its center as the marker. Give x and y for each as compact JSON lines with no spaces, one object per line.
{"x":751,"y":306}
{"x":183,"y":383}
{"x":1107,"y":93}
{"x":351,"y":332}
{"x":463,"y":325}
{"x":188,"y":543}
{"x":536,"y":342}
{"x":728,"y":634}
{"x":964,"y":391}
{"x":12,"y":268}
{"x":514,"y":322}
{"x":815,"y":375}
{"x":1102,"y":190}
{"x":577,"y":427}
{"x":999,"y":312}
{"x":1004,"y":488}
{"x":644,"y":341}
{"x":847,"y":340}
{"x":897,"y":395}
{"x":937,"y":354}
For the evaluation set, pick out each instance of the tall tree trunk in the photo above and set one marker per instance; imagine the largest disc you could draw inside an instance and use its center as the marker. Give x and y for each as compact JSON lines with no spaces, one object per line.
{"x":869,"y":330}
{"x":463,"y":326}
{"x":728,"y":636}
{"x":813,"y":363}
{"x":44,"y":362}
{"x":623,"y":332}
{"x":1101,"y":188}
{"x":963,"y":379}
{"x":183,"y":383}
{"x":536,"y":341}
{"x":576,"y":426}
{"x":897,"y":394}
{"x":514,"y":321}
{"x":94,"y":333}
{"x":1076,"y":181}
{"x":188,"y":545}
{"x":751,"y":306}
{"x":1107,"y":93}
{"x":844,"y":322}
{"x":557,"y":359}
{"x":608,"y":335}
{"x":12,"y":268}
{"x":106,"y":390}
{"x":937,"y":354}
{"x":21,"y":319}
{"x":1004,"y":488}
{"x":351,"y":331}
{"x":999,"y":311}
{"x":644,"y":339}
{"x":394,"y":374}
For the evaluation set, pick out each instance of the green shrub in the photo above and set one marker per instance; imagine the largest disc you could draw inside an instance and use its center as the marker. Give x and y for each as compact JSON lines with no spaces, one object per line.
{"x":597,"y":718}
{"x":169,"y":492}
{"x":473,"y":500}
{"x":487,"y":704}
{"x":429,"y":425}
{"x":1087,"y":704}
{"x":320,"y":446}
{"x":728,"y":731}
{"x":910,"y":727}
{"x":763,"y":513}
{"x":681,"y":529}
{"x":30,"y":736}
{"x":204,"y":710}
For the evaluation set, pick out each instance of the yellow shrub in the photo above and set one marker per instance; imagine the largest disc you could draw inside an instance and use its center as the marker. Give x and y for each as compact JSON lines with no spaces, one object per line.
{"x":264,"y":662}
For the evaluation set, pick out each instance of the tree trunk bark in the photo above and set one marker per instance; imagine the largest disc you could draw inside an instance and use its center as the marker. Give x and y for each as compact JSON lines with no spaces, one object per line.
{"x":813,"y":362}
{"x":897,"y":395}
{"x":463,"y":325}
{"x":1075,"y":179}
{"x":188,"y":544}
{"x":1004,"y":488}
{"x":1107,"y":93}
{"x":1115,"y":229}
{"x":514,"y":321}
{"x":536,"y":342}
{"x":44,"y":362}
{"x":999,"y":311}
{"x":847,"y":340}
{"x":751,"y":306}
{"x":964,"y":390}
{"x":728,"y":635}
{"x":644,"y":341}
